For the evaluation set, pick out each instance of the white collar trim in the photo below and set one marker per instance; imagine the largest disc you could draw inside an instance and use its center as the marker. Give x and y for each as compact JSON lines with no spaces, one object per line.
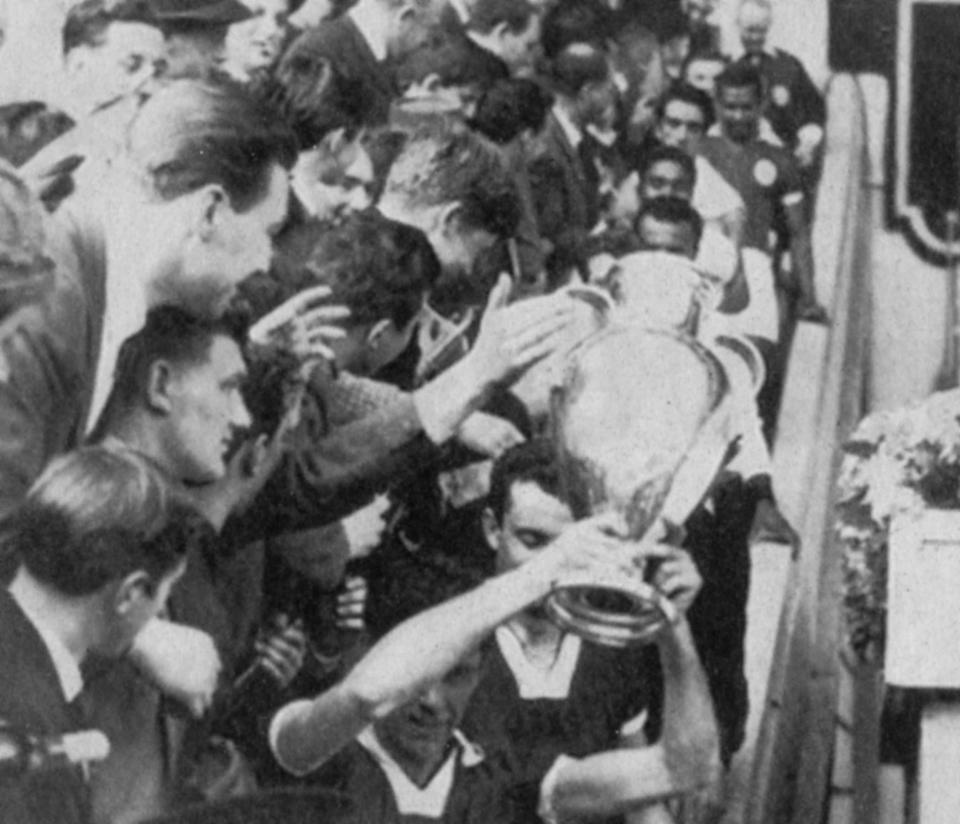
{"x":573,"y":134}
{"x":431,"y":800}
{"x":533,"y":682}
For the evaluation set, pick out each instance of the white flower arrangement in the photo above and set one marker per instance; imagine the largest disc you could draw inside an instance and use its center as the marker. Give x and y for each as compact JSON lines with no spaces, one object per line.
{"x":896,"y":464}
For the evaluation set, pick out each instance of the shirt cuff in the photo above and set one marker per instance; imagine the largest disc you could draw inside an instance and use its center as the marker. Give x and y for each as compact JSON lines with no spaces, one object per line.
{"x":284,"y":716}
{"x":545,"y":808}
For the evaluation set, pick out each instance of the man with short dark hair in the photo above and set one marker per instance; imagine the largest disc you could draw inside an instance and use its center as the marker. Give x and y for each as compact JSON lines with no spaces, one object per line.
{"x":667,"y":171}
{"x":684,"y":114}
{"x":403,"y":717}
{"x":109,"y":50}
{"x":217,"y":208}
{"x":564,"y":175}
{"x":768,"y":179}
{"x":338,"y":75}
{"x":547,"y":696}
{"x":455,"y":189}
{"x":101,"y":543}
{"x":669,"y":224}
{"x":507,"y":29}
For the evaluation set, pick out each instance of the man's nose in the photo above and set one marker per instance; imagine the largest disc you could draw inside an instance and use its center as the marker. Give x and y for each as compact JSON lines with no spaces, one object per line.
{"x":241,"y":416}
{"x":432,"y":699}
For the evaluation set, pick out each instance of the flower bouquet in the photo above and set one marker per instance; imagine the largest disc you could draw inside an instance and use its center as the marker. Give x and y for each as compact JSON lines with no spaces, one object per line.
{"x":896,"y":464}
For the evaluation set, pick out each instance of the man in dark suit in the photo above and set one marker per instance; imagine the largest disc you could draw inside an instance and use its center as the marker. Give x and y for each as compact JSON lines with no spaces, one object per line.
{"x":793,"y":104}
{"x":336,"y":75}
{"x":563,"y":174}
{"x":102,"y":542}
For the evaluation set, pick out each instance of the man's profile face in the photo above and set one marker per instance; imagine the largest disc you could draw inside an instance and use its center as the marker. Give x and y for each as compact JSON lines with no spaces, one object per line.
{"x":682,"y":125}
{"x":598,"y":104}
{"x":255,"y":43}
{"x":420,"y":731}
{"x":237,"y":245}
{"x":120,"y":64}
{"x":666,"y":178}
{"x":658,"y":235}
{"x":334,"y":184}
{"x":457,"y":247}
{"x":206,"y":409}
{"x":739,"y":110}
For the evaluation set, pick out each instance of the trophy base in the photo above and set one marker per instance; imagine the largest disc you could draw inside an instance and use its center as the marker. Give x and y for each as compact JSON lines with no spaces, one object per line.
{"x":611,"y":616}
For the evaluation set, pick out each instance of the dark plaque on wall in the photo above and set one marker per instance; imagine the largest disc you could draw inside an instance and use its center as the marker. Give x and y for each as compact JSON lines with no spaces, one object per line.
{"x":926,"y":106}
{"x":863,"y":36}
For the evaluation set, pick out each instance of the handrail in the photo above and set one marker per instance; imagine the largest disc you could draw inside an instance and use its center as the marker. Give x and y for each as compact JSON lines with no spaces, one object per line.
{"x":822,"y":401}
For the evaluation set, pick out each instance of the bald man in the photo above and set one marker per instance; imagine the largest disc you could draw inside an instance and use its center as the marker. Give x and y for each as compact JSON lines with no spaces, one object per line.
{"x":793,"y":105}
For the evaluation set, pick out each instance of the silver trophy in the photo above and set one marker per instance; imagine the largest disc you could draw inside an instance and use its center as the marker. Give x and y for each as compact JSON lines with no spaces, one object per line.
{"x":642,"y":426}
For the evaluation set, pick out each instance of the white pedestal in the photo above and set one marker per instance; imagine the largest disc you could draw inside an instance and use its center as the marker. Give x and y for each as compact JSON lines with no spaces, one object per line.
{"x":939,"y":766}
{"x":923,"y":610}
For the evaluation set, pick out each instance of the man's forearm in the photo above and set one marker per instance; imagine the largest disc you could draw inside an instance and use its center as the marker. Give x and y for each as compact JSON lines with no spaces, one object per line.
{"x":616,"y":782}
{"x":689,"y":738}
{"x":414,"y":654}
{"x":447,"y":400}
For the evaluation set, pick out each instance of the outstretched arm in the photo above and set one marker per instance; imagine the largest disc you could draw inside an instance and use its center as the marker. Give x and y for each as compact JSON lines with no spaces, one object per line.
{"x":423,"y":649}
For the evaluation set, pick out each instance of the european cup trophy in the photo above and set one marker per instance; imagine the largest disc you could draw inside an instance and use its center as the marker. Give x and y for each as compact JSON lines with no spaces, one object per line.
{"x":641,"y":422}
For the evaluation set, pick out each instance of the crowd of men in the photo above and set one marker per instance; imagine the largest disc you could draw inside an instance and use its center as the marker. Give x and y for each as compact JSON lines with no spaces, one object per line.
{"x":284,"y":285}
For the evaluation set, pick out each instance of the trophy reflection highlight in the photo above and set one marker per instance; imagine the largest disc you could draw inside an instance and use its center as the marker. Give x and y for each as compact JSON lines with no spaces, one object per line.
{"x":642,"y":426}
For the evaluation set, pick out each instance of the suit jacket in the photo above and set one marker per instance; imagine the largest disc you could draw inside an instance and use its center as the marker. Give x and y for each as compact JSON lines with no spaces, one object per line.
{"x":792,"y":98}
{"x":358,"y":88}
{"x":48,"y":357}
{"x":32,"y":700}
{"x":564,"y":198}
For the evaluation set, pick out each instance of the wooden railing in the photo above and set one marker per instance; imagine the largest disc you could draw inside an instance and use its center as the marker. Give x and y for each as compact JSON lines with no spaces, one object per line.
{"x":789,"y":748}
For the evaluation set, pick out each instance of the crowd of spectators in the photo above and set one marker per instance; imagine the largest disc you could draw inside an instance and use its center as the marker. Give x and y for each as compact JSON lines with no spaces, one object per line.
{"x":283,"y":293}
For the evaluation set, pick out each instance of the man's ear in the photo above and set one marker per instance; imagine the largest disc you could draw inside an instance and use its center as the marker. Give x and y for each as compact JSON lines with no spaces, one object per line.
{"x":210,"y":203}
{"x":76,"y":60}
{"x":159,"y":380}
{"x":450,"y":218}
{"x":377,"y":331}
{"x":491,"y":529}
{"x":132,"y":591}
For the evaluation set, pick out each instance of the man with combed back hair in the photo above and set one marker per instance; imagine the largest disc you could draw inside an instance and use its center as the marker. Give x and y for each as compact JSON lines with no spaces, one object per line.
{"x":100,"y":542}
{"x":337,"y":74}
{"x":184,"y":218}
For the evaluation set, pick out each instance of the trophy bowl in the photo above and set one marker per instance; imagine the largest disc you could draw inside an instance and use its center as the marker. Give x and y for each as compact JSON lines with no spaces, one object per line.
{"x":641,"y":427}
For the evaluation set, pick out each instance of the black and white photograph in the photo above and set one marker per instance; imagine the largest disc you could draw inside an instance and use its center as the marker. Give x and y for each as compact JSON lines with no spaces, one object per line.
{"x":479,"y":411}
